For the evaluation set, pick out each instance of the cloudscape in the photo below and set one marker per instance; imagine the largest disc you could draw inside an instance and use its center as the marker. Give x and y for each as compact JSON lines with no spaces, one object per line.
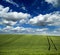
{"x":30,"y":16}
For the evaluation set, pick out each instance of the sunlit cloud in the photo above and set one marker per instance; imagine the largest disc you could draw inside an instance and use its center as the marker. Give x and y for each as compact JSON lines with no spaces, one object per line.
{"x":51,"y":19}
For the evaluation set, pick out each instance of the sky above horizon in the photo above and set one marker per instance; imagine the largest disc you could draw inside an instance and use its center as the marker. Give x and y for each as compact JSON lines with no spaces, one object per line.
{"x":30,"y":16}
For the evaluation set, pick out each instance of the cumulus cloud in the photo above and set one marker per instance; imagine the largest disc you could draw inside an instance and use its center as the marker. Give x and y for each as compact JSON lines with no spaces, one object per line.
{"x":12,"y":2}
{"x":55,"y":3}
{"x":9,"y":29}
{"x":10,"y":18}
{"x":52,"y":19}
{"x":22,"y":30}
{"x":9,"y":23}
{"x":15,"y":16}
{"x":12,"y":15}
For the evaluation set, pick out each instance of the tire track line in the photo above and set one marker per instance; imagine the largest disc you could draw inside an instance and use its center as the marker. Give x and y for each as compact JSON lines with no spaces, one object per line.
{"x":53,"y":44}
{"x":48,"y":43}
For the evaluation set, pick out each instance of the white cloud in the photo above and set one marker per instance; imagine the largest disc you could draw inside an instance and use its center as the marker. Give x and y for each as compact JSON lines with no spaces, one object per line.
{"x":12,"y":15}
{"x":9,"y":23}
{"x":18,"y":29}
{"x":54,"y":2}
{"x":7,"y":29}
{"x":12,"y":2}
{"x":23,"y":21}
{"x":52,"y":19}
{"x":5,"y":10}
{"x":15,"y":16}
{"x":8,"y":17}
{"x":22,"y":30}
{"x":42,"y":29}
{"x":1,"y":7}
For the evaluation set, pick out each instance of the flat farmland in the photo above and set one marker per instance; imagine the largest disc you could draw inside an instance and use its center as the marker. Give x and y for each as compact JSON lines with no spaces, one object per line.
{"x":14,"y":44}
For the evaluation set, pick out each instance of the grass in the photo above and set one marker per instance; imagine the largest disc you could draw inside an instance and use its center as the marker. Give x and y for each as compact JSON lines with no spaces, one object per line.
{"x":29,"y":45}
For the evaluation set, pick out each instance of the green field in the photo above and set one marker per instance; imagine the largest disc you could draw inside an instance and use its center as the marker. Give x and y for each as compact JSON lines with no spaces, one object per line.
{"x":29,"y":44}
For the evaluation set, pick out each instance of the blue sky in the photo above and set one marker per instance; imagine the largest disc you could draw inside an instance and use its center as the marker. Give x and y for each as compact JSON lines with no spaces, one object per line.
{"x":30,"y":16}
